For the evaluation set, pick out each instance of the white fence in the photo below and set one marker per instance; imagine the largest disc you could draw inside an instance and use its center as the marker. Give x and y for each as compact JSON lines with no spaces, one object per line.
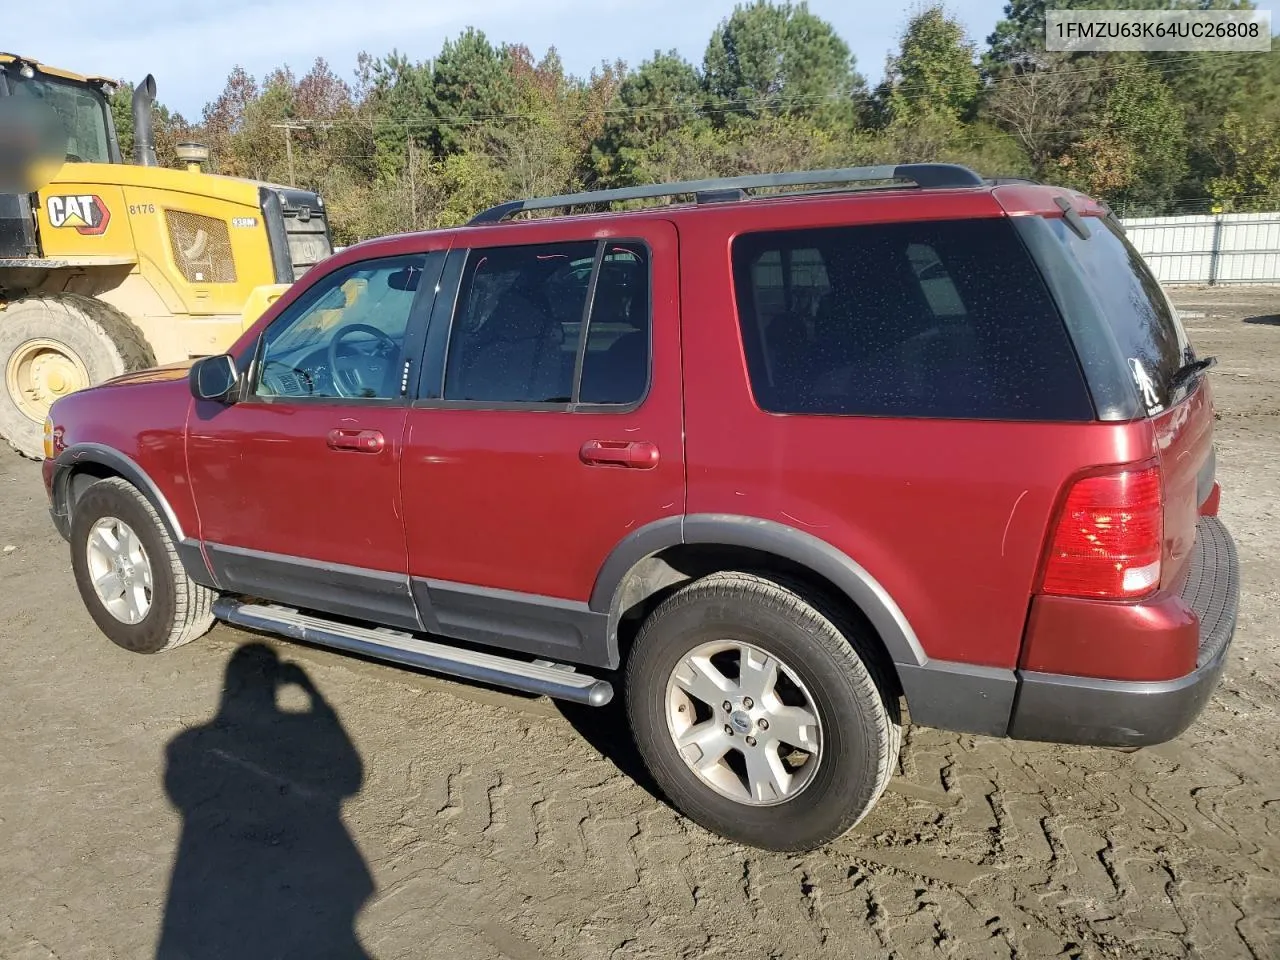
{"x":1209,"y":249}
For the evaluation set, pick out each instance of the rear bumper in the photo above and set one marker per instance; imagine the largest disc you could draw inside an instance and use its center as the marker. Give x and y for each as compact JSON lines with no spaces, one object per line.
{"x":1112,"y":713}
{"x":1067,"y":709}
{"x":1060,"y":708}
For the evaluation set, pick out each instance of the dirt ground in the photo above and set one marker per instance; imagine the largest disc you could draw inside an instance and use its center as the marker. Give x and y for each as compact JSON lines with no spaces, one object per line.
{"x":421,"y":818}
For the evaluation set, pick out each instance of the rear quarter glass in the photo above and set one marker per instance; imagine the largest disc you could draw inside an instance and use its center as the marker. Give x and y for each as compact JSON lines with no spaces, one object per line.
{"x":945,"y":319}
{"x":1151,"y":339}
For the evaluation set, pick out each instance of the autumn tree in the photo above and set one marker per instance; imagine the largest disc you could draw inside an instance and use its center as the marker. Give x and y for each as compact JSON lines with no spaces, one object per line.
{"x":1134,"y":148}
{"x":1248,"y":153}
{"x":1210,"y":88}
{"x":1037,"y":107}
{"x":224,"y":117}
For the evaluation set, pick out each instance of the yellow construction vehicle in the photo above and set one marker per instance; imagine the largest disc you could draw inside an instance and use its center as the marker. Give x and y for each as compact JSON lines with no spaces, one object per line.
{"x":113,"y":266}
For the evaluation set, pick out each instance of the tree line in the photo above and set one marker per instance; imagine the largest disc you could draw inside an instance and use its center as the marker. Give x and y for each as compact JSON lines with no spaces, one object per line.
{"x":415,"y":144}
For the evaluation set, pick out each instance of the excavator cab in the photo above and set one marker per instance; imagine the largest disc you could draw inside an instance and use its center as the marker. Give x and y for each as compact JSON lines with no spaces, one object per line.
{"x":81,"y":108}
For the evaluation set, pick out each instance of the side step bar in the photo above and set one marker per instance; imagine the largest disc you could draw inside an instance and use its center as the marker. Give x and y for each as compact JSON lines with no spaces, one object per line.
{"x":544,"y":679}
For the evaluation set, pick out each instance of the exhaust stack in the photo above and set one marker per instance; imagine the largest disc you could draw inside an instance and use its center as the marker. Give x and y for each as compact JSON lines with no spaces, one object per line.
{"x":144,"y":142}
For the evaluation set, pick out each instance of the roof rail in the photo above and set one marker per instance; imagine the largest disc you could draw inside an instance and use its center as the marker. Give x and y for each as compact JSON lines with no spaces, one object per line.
{"x":728,"y":189}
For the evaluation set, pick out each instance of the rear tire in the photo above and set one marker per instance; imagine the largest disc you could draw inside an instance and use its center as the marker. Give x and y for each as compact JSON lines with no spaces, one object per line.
{"x":52,"y":346}
{"x":175,"y":610}
{"x":826,"y":694}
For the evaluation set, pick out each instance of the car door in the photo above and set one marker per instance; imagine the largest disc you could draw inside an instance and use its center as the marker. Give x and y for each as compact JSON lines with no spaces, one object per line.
{"x":548,"y":427}
{"x":297,"y":482}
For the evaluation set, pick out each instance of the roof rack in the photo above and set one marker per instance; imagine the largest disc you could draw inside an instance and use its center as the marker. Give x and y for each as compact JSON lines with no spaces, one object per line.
{"x":733,"y":189}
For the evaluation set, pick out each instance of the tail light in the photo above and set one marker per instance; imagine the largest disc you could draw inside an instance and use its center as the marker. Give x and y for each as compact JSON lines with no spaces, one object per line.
{"x":1108,"y":540}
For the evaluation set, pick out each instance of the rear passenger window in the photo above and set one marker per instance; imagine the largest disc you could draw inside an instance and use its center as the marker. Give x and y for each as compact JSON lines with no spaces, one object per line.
{"x":615,"y":366}
{"x":508,"y":340}
{"x":522,"y":316}
{"x":946,"y":319}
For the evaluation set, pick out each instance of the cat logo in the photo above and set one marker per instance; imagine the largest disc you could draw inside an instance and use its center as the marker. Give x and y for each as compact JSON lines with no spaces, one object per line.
{"x":86,"y":213}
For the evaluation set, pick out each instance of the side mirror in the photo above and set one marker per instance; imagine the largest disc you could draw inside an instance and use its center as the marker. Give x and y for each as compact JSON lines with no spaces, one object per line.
{"x":212,"y":378}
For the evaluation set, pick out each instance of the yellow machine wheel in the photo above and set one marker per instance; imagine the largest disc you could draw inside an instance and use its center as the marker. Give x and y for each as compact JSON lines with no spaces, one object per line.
{"x":39,"y":372}
{"x":53,"y":346}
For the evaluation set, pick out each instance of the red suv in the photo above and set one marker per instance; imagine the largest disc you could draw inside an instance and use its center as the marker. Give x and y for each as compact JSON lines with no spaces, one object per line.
{"x":779,"y":455}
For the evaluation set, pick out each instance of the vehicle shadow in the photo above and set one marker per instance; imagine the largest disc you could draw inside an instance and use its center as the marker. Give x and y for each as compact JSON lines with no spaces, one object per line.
{"x":606,"y":729}
{"x":265,"y":867}
{"x":1269,"y":320}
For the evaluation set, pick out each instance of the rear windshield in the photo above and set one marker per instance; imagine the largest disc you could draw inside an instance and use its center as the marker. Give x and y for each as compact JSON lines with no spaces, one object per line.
{"x":945,"y":319}
{"x":1145,"y":325}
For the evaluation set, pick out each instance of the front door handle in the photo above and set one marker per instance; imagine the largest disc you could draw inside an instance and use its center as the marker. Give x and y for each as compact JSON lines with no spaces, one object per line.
{"x":637,"y":454}
{"x":361,"y":441}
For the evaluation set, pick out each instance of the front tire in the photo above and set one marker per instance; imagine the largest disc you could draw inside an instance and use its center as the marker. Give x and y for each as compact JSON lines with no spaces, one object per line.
{"x":53,"y":346}
{"x":128,"y":572}
{"x":756,"y":714}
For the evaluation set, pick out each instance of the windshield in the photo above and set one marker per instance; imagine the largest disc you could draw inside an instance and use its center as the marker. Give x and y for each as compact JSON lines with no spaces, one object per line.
{"x":81,"y":110}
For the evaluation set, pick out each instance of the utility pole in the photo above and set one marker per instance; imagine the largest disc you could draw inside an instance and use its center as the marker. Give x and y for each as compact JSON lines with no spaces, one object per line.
{"x":413,"y":182}
{"x":288,"y":129}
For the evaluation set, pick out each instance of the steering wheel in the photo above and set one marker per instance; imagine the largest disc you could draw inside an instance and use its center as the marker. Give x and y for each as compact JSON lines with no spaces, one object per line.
{"x":348,"y":377}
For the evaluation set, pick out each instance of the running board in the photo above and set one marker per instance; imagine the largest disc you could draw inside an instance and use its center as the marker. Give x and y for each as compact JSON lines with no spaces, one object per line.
{"x":558,"y":681}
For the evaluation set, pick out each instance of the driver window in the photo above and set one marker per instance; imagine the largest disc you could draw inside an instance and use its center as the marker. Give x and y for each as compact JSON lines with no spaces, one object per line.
{"x":344,"y":340}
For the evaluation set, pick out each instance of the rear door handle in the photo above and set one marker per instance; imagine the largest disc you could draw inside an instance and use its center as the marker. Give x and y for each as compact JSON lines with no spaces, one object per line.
{"x":361,"y":441}
{"x":637,"y":454}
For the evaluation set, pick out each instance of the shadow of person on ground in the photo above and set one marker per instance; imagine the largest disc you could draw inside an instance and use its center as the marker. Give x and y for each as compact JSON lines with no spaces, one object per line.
{"x":265,"y":867}
{"x":1270,"y":320}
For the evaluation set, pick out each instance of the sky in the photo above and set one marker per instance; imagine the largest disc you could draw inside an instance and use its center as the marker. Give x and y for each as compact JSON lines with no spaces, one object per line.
{"x":191,"y":45}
